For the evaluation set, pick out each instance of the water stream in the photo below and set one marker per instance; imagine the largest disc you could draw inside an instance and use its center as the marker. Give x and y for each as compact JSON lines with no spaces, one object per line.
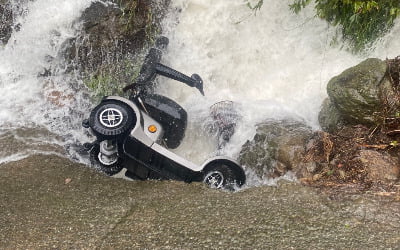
{"x":272,"y":63}
{"x":31,"y":99}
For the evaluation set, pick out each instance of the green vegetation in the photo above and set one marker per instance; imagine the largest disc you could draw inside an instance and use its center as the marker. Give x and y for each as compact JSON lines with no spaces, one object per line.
{"x":102,"y":85}
{"x":111,"y":79}
{"x":133,"y":30}
{"x":139,"y":14}
{"x":362,"y":22}
{"x":256,"y":6}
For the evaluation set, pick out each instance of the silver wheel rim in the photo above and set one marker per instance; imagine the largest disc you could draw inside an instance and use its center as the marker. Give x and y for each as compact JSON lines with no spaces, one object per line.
{"x":214,"y":179}
{"x":111,"y":117}
{"x":105,"y":160}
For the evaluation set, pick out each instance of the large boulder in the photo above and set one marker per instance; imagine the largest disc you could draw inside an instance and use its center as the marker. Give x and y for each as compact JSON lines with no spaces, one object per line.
{"x":359,"y":95}
{"x":278,"y":147}
{"x":110,"y":32}
{"x":6,"y":21}
{"x":107,"y":52}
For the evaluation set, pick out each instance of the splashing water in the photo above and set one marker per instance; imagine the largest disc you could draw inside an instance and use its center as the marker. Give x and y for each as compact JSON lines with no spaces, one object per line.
{"x":29,"y":97}
{"x":273,"y":63}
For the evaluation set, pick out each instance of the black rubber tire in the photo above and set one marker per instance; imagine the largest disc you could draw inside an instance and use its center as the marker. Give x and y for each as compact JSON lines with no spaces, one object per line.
{"x":125,"y":118}
{"x":220,"y":176}
{"x":107,"y":169}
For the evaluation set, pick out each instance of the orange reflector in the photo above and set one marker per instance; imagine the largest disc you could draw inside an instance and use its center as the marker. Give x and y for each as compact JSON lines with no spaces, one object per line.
{"x":152,"y":128}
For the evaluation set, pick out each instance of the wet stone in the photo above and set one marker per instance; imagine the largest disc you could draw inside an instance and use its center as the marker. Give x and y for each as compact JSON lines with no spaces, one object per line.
{"x":381,"y":167}
{"x":278,"y":147}
{"x":6,"y":21}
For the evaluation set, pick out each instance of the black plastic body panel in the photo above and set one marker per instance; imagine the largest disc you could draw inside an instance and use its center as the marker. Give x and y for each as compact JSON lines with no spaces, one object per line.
{"x":146,"y":163}
{"x":170,"y":115}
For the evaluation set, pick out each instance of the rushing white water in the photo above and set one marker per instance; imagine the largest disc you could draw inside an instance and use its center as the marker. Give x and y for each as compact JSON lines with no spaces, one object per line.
{"x":27,"y":99}
{"x":274,"y":63}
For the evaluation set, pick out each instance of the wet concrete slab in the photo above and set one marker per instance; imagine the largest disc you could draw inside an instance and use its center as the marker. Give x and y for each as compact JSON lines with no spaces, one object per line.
{"x":51,"y":202}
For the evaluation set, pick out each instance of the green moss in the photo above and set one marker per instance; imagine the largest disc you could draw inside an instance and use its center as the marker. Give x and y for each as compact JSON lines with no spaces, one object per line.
{"x":133,"y":32}
{"x":111,"y":79}
{"x":139,"y":14}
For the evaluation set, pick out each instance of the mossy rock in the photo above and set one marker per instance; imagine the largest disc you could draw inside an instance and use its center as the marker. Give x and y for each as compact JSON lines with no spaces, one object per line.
{"x":109,"y":50}
{"x":355,"y":92}
{"x":362,"y":94}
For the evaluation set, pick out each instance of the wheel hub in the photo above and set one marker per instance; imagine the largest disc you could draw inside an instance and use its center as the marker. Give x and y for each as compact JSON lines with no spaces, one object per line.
{"x":214,"y":179}
{"x":107,"y":160}
{"x":108,"y":154}
{"x":111,"y":117}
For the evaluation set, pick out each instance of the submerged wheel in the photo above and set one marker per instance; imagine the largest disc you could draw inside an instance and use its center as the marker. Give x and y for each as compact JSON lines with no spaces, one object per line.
{"x":107,"y":165}
{"x":111,"y":119}
{"x":220,"y":176}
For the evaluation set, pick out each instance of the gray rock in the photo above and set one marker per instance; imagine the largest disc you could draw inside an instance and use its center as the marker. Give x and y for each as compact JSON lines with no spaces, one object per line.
{"x":278,"y":147}
{"x":111,"y":32}
{"x":98,"y":43}
{"x":109,"y":50}
{"x":6,"y":21}
{"x":99,"y":13}
{"x":329,"y":117}
{"x":380,"y":166}
{"x":358,"y":95}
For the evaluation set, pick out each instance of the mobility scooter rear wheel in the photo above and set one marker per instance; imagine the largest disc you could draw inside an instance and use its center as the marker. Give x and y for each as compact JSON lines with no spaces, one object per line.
{"x":106,"y":160}
{"x":219,"y":176}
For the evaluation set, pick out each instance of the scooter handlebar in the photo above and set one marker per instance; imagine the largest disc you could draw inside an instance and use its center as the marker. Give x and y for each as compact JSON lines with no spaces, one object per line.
{"x":193,"y":81}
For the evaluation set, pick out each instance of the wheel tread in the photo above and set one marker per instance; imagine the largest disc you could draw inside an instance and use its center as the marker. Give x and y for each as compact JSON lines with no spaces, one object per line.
{"x":129,"y":119}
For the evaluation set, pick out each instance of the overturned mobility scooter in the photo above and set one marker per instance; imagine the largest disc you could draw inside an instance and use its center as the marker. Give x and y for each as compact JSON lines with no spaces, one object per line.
{"x":137,"y":133}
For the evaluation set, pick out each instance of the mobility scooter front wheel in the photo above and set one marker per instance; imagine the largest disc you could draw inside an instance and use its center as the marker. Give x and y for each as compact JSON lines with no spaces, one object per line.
{"x":111,"y":119}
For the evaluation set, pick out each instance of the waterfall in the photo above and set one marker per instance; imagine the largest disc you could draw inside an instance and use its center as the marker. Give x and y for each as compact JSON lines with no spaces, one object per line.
{"x":30,"y":97}
{"x":272,"y":63}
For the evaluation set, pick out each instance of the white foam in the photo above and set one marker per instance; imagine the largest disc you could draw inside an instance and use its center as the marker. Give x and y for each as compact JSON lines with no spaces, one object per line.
{"x":13,"y":157}
{"x":275,"y":63}
{"x":32,"y":48}
{"x":26,"y":154}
